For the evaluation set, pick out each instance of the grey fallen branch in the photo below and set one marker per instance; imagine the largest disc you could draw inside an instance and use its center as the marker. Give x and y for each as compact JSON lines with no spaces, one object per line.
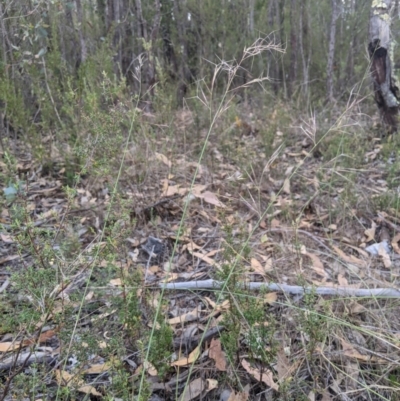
{"x":290,"y":289}
{"x":26,"y":358}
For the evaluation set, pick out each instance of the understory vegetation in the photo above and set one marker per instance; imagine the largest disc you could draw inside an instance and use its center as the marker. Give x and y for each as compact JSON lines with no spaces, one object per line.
{"x":114,"y":191}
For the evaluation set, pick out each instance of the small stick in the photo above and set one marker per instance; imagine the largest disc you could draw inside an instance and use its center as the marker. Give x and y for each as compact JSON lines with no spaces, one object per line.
{"x":291,"y":289}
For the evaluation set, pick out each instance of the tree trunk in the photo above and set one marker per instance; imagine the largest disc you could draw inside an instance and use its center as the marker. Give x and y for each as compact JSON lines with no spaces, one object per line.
{"x":303,"y":31}
{"x":331,"y":50}
{"x":251,"y":17}
{"x":276,"y":21}
{"x":151,"y":73}
{"x":380,"y":49}
{"x":294,"y":39}
{"x":117,"y":34}
{"x":82,"y":40}
{"x":180,"y":14}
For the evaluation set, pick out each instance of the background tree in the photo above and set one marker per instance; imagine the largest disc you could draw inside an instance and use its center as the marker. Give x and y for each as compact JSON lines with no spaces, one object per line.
{"x":331,"y":49}
{"x":380,"y":49}
{"x":168,"y":45}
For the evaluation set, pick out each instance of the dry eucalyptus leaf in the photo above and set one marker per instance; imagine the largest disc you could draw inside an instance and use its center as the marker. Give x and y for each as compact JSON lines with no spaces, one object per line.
{"x":241,"y":396}
{"x":282,"y":365}
{"x":370,"y":232}
{"x":193,"y":390}
{"x":270,"y":297}
{"x":211,"y":198}
{"x":266,"y":376}
{"x":256,"y":266}
{"x":286,"y":186}
{"x":98,"y":368}
{"x":385,"y":256}
{"x":65,"y":378}
{"x":187,"y":361}
{"x":186,"y":317}
{"x":395,"y":243}
{"x":215,"y":352}
{"x":9,"y":346}
{"x":163,"y":159}
{"x":211,"y":384}
{"x":349,"y":258}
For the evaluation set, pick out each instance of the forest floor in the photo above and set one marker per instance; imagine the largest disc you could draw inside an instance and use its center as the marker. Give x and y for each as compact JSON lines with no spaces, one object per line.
{"x":266,"y":198}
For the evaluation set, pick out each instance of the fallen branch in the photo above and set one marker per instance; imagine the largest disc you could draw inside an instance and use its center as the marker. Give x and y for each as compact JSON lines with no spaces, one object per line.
{"x":25,"y":359}
{"x":291,"y":289}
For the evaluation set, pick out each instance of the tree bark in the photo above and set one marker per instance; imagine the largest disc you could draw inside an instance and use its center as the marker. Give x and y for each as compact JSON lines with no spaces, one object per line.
{"x":331,"y":50}
{"x":82,"y":40}
{"x":251,"y":17}
{"x":380,"y":47}
{"x":180,"y":14}
{"x":294,"y":39}
{"x":152,"y":51}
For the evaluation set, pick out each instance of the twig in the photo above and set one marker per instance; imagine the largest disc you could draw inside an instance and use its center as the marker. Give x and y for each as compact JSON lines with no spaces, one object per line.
{"x":49,"y":92}
{"x":160,"y":202}
{"x":294,"y":230}
{"x":389,"y":223}
{"x":193,"y":341}
{"x":291,"y":289}
{"x":5,"y":285}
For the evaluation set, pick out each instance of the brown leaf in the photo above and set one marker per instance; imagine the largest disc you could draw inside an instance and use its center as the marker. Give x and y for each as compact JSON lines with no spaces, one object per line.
{"x":116,"y":282}
{"x":98,"y":368}
{"x":9,"y":346}
{"x":268,"y":265}
{"x":150,"y":369}
{"x":349,"y":351}
{"x":45,"y":336}
{"x":8,"y":258}
{"x":352,"y":370}
{"x":215,"y":352}
{"x":286,"y":186}
{"x":282,"y":366}
{"x":270,"y":297}
{"x":317,"y":265}
{"x":342,"y":280}
{"x":257,"y":267}
{"x":238,"y":396}
{"x":198,"y":189}
{"x":186,"y":317}
{"x":6,"y":238}
{"x":385,"y":256}
{"x":174,"y":190}
{"x":362,"y":252}
{"x":163,"y":159}
{"x":349,"y":258}
{"x":355,"y":308}
{"x":204,"y":258}
{"x":186,"y":361}
{"x":275,"y":223}
{"x":326,"y":396}
{"x":67,"y":379}
{"x":211,"y":384}
{"x":370,"y":232}
{"x":395,"y":243}
{"x":211,"y":198}
{"x":193,"y":390}
{"x":266,"y":376}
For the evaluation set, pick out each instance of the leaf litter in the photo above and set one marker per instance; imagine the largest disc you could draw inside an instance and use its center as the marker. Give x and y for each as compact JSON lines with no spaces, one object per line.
{"x":311,"y":245}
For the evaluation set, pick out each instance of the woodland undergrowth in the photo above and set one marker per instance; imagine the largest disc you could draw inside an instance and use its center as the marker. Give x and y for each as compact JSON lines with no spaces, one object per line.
{"x":105,"y":196}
